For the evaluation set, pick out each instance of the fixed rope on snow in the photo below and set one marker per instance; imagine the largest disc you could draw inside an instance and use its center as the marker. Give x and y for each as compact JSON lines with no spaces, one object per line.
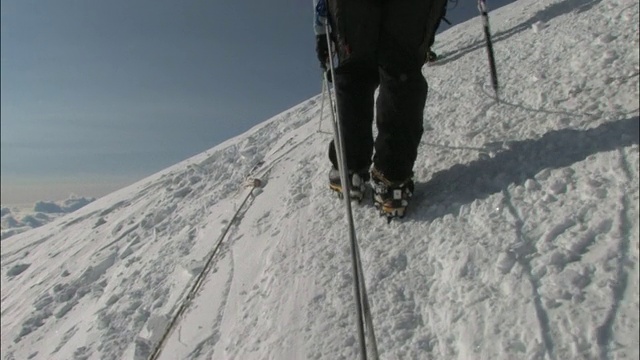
{"x":157,"y":350}
{"x":254,"y":183}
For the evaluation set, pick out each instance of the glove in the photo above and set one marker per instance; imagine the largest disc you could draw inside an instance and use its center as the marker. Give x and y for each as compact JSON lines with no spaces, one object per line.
{"x":322,"y":50}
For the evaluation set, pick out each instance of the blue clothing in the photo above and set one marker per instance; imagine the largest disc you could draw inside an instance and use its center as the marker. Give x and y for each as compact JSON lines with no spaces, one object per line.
{"x":319,"y":16}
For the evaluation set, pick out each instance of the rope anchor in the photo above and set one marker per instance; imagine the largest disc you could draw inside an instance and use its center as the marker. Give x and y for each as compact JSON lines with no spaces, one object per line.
{"x":253,"y":182}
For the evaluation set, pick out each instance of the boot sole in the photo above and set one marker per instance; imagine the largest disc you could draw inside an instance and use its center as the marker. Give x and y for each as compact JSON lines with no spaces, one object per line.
{"x":391,"y":212}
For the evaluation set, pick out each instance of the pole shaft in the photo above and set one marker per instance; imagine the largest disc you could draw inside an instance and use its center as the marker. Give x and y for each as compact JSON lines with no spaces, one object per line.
{"x":346,"y":194}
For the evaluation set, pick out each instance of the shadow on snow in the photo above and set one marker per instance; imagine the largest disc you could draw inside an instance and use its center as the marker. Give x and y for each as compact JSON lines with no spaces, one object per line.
{"x":462,"y":184}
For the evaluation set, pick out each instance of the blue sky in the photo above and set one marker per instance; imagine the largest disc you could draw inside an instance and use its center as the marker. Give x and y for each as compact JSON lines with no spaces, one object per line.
{"x":98,"y":94}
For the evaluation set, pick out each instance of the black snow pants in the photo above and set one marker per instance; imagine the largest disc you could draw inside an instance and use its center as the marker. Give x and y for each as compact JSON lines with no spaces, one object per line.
{"x":382,"y":43}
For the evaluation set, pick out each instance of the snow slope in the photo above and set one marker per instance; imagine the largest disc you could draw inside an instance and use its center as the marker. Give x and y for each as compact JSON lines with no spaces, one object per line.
{"x":521,"y":243}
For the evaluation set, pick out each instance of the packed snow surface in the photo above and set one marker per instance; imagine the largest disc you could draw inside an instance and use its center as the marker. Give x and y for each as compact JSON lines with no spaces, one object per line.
{"x":520,"y":243}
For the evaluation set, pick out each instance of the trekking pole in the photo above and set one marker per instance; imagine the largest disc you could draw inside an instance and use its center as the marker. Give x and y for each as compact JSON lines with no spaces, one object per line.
{"x":346,"y":195}
{"x":482,"y":7}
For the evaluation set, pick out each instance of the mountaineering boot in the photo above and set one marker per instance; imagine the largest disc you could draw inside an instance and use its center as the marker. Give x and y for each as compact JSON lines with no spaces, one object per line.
{"x":391,"y":198}
{"x":358,"y":181}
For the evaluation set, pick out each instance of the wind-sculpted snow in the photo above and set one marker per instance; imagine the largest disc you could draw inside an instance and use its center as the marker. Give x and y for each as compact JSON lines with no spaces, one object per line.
{"x":521,"y":241}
